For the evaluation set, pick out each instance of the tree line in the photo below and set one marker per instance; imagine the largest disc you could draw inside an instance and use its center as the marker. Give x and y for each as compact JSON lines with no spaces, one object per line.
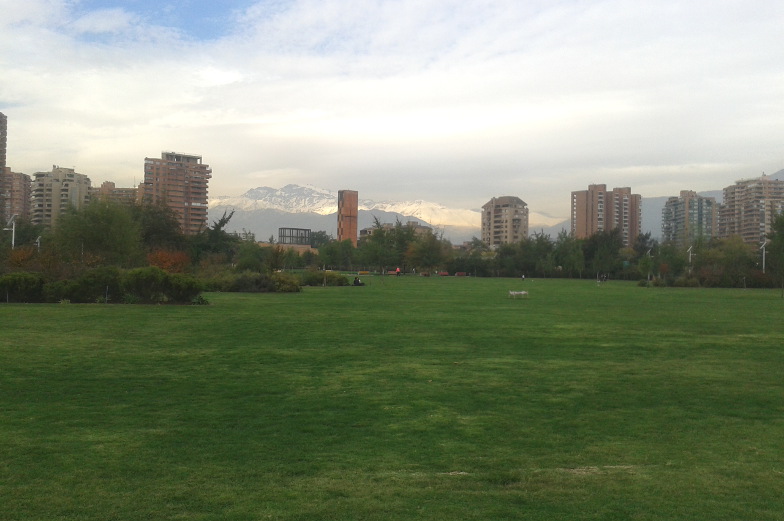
{"x":108,"y":234}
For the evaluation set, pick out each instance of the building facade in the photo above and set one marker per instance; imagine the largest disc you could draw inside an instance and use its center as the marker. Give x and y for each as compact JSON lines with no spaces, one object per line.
{"x":504,"y":221}
{"x":53,"y":193}
{"x":180,"y":181}
{"x":689,"y":218}
{"x":348,"y":211}
{"x":748,"y":208}
{"x":598,"y":210}
{"x":16,"y":193}
{"x":3,"y":140}
{"x":108,"y":191}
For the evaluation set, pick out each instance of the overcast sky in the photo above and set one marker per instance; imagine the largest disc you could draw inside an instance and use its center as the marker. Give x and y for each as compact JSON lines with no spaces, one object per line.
{"x":448,"y":101}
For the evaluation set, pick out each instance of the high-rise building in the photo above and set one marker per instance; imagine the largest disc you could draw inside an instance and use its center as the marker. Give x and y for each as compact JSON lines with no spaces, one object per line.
{"x":16,"y":193}
{"x":748,"y":208}
{"x":597,"y":210}
{"x":179,"y":181}
{"x":504,"y":220}
{"x":3,"y":139}
{"x":689,"y":217}
{"x":53,"y":193}
{"x":3,"y":145}
{"x":348,"y":209}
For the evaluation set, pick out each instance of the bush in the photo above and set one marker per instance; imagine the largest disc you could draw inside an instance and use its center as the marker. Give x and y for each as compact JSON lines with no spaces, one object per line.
{"x":286,"y":283}
{"x":58,"y":290}
{"x":147,"y":285}
{"x":686,"y":282}
{"x":98,"y":285}
{"x":321,"y":278}
{"x":22,"y":287}
{"x":182,"y":289}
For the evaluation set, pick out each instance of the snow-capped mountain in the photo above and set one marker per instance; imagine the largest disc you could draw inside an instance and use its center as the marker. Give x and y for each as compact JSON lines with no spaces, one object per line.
{"x":294,"y":198}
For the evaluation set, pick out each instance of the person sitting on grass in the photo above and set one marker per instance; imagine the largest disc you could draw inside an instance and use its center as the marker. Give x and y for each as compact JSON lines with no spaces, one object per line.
{"x":358,"y":282}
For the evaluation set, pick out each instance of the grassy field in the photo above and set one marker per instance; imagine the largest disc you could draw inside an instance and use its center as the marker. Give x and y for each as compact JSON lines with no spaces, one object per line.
{"x":407,"y":399}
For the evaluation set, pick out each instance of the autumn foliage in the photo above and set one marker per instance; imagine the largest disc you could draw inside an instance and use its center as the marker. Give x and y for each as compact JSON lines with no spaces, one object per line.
{"x":170,"y":261}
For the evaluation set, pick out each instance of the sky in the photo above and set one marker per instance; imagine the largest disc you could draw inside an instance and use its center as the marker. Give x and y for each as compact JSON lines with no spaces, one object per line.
{"x":447,"y":101}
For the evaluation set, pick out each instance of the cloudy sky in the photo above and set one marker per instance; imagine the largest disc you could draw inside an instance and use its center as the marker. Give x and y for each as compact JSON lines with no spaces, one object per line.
{"x":448,"y":101}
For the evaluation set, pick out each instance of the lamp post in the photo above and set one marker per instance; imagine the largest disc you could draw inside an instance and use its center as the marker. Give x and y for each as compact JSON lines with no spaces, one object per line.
{"x":764,"y":243}
{"x":11,"y":227}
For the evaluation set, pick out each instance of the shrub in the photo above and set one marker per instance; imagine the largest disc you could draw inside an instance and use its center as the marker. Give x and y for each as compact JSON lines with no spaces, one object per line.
{"x":148,"y":285}
{"x":58,"y":290}
{"x":22,"y":287}
{"x":686,"y":282}
{"x":97,"y":285}
{"x":287,"y":283}
{"x":320,"y":278}
{"x":182,"y":289}
{"x":252,"y":282}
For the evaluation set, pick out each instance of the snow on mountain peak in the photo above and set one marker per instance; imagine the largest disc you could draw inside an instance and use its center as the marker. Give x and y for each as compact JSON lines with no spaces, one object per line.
{"x":294,"y":198}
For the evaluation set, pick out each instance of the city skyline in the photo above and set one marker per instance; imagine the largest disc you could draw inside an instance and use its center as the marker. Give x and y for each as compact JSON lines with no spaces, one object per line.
{"x":450,"y":102}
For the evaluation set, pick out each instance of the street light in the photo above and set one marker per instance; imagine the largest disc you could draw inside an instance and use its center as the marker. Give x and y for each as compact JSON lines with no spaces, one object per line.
{"x":11,"y":227}
{"x":764,"y":243}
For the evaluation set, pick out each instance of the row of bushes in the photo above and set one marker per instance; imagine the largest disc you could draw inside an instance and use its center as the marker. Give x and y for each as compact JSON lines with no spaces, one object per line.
{"x":152,"y":285}
{"x":149,"y":285}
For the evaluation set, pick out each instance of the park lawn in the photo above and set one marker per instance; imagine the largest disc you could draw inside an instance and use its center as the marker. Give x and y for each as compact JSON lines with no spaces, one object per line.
{"x":410,"y":398}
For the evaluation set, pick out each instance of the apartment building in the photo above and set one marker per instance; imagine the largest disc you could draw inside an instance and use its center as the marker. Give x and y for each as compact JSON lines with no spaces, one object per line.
{"x":504,"y":220}
{"x":689,"y":217}
{"x":348,"y":211}
{"x":16,"y":191}
{"x":3,"y":140}
{"x":598,"y":210}
{"x":108,"y":191}
{"x":180,"y":181}
{"x":748,"y":208}
{"x":53,"y":193}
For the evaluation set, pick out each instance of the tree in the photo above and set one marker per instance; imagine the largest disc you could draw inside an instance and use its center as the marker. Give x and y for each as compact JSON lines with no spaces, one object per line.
{"x":101,"y":233}
{"x":215,"y":240}
{"x":569,"y":254}
{"x":774,"y":250}
{"x":159,"y":227}
{"x":428,"y":252}
{"x":602,"y":251}
{"x":320,"y":238}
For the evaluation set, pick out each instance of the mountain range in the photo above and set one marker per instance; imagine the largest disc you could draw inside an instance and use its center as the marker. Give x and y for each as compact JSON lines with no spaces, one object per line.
{"x":263,"y":210}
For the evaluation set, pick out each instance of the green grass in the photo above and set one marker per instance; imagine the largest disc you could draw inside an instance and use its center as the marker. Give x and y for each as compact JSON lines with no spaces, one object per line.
{"x":407,"y":399}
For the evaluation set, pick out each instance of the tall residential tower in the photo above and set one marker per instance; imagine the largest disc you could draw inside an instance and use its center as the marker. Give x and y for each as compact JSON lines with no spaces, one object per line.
{"x":597,"y":210}
{"x":748,"y":208}
{"x":55,"y":192}
{"x":180,"y":182}
{"x":504,"y":220}
{"x":688,"y":218}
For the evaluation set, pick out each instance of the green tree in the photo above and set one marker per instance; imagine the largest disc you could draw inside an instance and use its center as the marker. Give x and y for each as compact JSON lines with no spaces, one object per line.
{"x":320,"y":238}
{"x":602,"y":251}
{"x":774,"y":251}
{"x":569,"y":254}
{"x":215,"y":240}
{"x":428,"y":252}
{"x":101,"y":233}
{"x":159,"y":227}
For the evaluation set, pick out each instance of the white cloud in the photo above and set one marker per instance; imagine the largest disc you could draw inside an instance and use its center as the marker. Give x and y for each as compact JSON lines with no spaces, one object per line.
{"x":455,"y":101}
{"x":115,"y":20}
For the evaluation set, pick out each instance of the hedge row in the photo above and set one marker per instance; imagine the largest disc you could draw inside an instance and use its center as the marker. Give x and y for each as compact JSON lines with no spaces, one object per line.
{"x":149,"y":285}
